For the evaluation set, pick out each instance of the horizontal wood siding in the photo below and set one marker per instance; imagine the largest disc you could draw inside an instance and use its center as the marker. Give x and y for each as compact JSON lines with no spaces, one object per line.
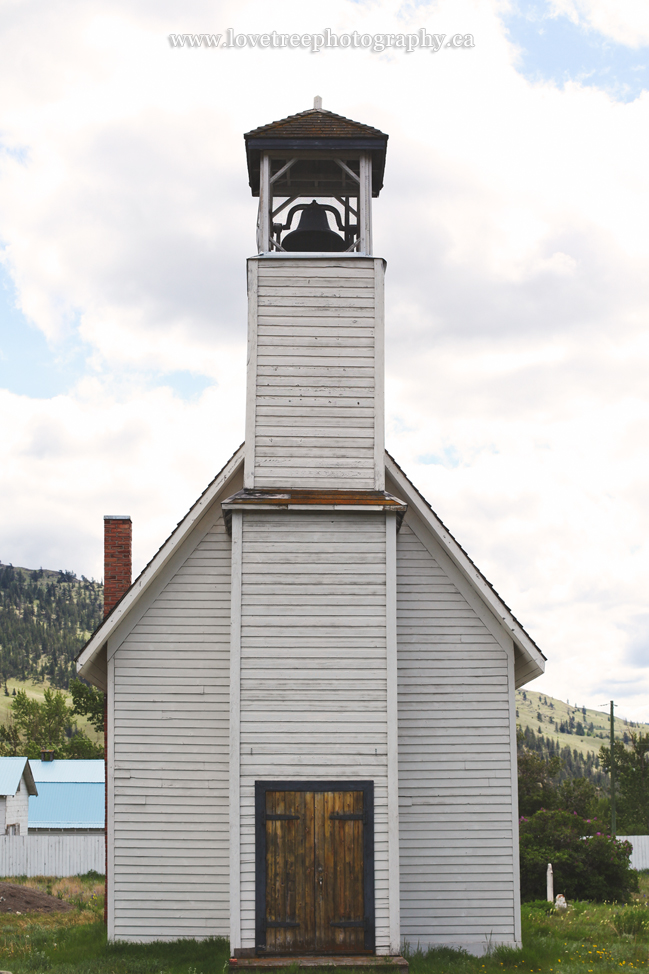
{"x":16,"y":808}
{"x":455,"y":762}
{"x":313,"y":668}
{"x":52,"y":855}
{"x":315,"y":383}
{"x":171,"y":720}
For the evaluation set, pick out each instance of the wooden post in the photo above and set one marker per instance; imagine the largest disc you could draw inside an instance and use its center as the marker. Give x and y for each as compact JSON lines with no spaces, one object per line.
{"x":550,"y":884}
{"x":613,"y":815}
{"x":263,"y":225}
{"x":365,"y":204}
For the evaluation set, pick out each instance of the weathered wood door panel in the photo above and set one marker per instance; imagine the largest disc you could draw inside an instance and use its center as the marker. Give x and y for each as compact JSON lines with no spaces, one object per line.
{"x":315,"y":868}
{"x":289,"y":871}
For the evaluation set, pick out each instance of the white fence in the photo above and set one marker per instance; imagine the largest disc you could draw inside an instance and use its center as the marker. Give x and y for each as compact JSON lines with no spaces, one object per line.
{"x":51,"y":855}
{"x":640,"y":854}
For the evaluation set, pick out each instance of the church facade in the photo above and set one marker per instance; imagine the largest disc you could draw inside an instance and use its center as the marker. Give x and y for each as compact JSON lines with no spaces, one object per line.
{"x":311,"y":735}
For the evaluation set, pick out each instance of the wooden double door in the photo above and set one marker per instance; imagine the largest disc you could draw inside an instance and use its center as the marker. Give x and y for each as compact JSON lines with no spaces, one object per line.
{"x":315,"y":867}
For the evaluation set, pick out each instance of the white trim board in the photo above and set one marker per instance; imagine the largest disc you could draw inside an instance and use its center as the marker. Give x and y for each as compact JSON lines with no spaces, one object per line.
{"x":235,"y":733}
{"x":394,"y":894}
{"x":110,"y":801}
{"x":379,"y":374}
{"x":251,"y":374}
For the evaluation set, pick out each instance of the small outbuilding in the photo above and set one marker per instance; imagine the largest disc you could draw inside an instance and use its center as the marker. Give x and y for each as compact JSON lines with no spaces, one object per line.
{"x":16,"y":786}
{"x":311,"y":727}
{"x":70,"y":799}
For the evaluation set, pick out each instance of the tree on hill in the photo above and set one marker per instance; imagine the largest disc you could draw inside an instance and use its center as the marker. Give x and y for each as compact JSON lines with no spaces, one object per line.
{"x":88,"y":702}
{"x":48,"y":725}
{"x":544,"y":782}
{"x":632,"y":775}
{"x":45,"y":618}
{"x":536,"y":789}
{"x":574,"y":764}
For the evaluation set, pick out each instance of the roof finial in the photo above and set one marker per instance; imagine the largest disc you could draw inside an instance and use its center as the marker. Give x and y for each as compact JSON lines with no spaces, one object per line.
{"x":317,"y":103}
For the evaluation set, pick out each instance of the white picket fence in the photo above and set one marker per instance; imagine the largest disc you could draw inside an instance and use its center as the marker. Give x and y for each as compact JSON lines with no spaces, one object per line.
{"x":640,"y":854}
{"x":51,"y":855}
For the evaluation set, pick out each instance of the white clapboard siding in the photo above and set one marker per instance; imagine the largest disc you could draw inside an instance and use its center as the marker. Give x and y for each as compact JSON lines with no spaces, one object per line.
{"x":455,"y":762}
{"x":171,"y":741}
{"x":314,"y":385}
{"x":14,"y":809}
{"x":313,"y":668}
{"x":52,"y":854}
{"x":640,"y":853}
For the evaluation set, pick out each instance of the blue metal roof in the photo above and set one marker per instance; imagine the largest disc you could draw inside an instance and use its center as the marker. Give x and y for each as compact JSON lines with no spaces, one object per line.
{"x":67,"y":805}
{"x":11,"y":771}
{"x":68,"y":770}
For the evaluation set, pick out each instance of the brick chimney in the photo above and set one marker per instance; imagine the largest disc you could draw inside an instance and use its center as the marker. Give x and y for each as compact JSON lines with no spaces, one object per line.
{"x":118,"y":532}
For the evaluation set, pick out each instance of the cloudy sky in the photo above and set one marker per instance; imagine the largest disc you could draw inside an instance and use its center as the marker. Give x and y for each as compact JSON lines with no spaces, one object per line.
{"x":514,"y":222}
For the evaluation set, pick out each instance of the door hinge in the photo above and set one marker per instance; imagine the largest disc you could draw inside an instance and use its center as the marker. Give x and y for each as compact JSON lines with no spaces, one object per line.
{"x":272,"y":817}
{"x":348,"y":816}
{"x":349,"y":923}
{"x":281,"y":923}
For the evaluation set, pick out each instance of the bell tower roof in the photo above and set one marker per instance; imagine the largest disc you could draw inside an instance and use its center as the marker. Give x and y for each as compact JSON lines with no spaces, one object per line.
{"x":316,"y":130}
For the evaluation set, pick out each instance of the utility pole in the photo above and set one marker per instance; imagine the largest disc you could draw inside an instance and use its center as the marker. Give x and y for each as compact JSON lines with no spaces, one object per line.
{"x":613,"y":821}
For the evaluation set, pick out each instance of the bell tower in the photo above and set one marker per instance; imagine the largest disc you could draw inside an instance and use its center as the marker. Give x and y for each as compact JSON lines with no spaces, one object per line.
{"x":314,"y":843}
{"x":315,"y":291}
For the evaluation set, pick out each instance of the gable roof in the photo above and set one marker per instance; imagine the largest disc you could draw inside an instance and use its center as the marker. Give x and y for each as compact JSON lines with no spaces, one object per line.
{"x":316,"y":130}
{"x":315,"y":123}
{"x":97,"y":641}
{"x":11,"y":771}
{"x":67,"y":770}
{"x":530,"y":662}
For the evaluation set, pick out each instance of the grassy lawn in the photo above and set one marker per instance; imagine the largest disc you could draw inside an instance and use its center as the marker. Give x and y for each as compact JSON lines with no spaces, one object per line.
{"x":588,"y":939}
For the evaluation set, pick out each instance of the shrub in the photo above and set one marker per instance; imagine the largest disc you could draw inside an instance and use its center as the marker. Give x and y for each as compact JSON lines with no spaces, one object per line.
{"x":540,"y":906}
{"x":586,"y":866}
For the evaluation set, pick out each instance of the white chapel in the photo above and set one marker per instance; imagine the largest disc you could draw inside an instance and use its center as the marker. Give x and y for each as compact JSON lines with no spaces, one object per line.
{"x":311,"y":734}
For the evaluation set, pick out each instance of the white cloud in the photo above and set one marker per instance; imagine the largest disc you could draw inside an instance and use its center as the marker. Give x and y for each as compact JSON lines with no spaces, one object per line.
{"x":513,"y":220}
{"x":625,"y":21}
{"x":69,"y":460}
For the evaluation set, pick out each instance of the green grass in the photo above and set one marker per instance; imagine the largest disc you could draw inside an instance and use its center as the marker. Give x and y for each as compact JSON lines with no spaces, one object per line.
{"x":591,"y":938}
{"x":83,"y":950}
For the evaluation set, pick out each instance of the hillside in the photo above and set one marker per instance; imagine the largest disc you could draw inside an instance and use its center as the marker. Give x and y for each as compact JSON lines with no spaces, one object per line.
{"x":569,"y":725}
{"x":45,"y":618}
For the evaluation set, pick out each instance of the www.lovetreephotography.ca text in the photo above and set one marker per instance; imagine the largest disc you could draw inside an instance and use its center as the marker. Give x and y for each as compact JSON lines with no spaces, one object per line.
{"x":421,"y":40}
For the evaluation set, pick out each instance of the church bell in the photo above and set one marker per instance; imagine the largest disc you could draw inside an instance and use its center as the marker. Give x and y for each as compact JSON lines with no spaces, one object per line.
{"x":313,"y":233}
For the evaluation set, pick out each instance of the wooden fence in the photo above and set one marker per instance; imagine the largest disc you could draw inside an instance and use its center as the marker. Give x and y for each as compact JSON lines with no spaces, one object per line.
{"x":640,"y":854}
{"x":51,"y":855}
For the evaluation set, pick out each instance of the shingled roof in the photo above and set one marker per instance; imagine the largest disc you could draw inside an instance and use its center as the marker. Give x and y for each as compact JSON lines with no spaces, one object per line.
{"x":320,"y":131}
{"x":315,"y":123}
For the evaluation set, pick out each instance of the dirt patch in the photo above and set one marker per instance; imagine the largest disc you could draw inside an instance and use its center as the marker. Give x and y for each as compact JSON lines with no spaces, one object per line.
{"x":22,"y":899}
